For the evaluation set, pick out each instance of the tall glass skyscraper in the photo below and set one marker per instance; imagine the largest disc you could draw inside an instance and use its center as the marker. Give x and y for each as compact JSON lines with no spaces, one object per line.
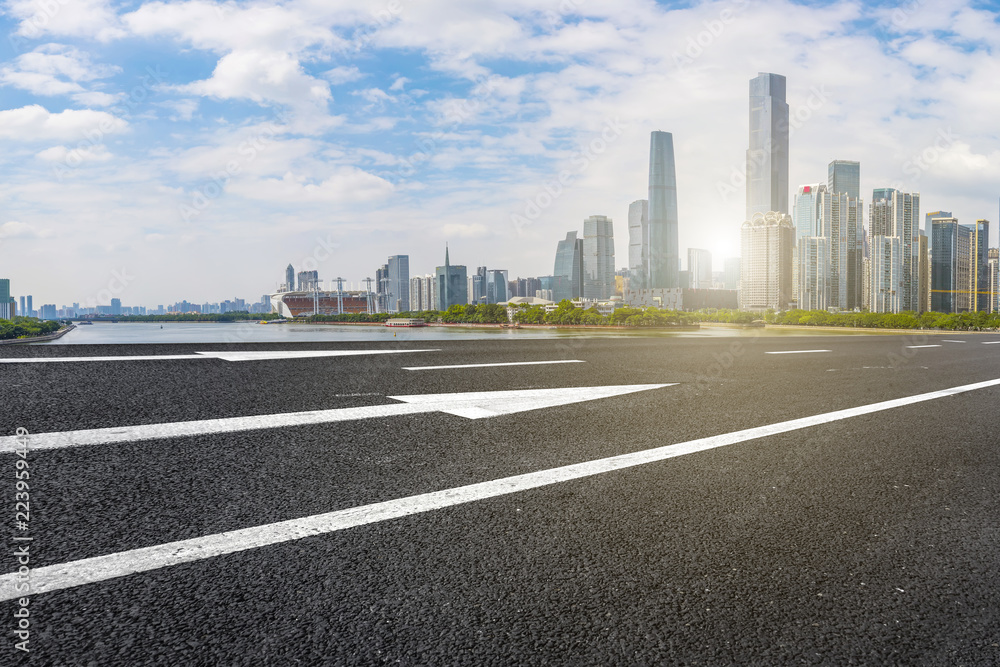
{"x":567,"y":274}
{"x":638,"y":233}
{"x":844,"y":177}
{"x":767,"y":157}
{"x":399,"y":283}
{"x":805,"y":210}
{"x":662,"y":250}
{"x":598,"y":257}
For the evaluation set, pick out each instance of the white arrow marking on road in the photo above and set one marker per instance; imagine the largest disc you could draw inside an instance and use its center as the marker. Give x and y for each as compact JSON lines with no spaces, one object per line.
{"x":797,"y":352}
{"x":473,"y":405}
{"x":225,"y":356}
{"x":111,"y":566}
{"x":508,"y":363}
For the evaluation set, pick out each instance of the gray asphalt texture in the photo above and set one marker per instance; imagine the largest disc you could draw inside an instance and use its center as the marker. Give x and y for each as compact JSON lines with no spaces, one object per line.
{"x":869,"y":541}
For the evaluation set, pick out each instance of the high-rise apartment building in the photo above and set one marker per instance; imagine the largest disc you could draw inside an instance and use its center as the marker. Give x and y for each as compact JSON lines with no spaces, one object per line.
{"x":662,"y":251}
{"x":766,"y":262}
{"x":638,"y":248}
{"x":895,"y":213}
{"x":567,"y":274}
{"x":844,"y":176}
{"x":993,"y":268}
{"x":886,"y":262}
{"x":813,"y":257}
{"x":841,"y":222}
{"x":598,"y":257}
{"x":699,"y":268}
{"x":398,"y":296}
{"x":767,"y":156}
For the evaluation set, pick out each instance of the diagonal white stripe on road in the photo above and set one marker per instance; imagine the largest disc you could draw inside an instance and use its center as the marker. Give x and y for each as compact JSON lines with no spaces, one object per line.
{"x":225,"y":356}
{"x":471,"y":405}
{"x":508,"y":363}
{"x":797,"y":352}
{"x":111,"y":566}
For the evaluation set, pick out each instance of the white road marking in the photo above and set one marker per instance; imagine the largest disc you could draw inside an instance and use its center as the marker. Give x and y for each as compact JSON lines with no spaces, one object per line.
{"x":991,"y":342}
{"x":509,"y":363}
{"x":797,"y":352}
{"x":472,"y":405}
{"x":225,"y":356}
{"x":943,"y":340}
{"x":917,"y":347}
{"x":111,"y":566}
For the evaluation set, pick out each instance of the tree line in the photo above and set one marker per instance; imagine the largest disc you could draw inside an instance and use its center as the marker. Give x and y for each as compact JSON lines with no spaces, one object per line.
{"x":26,"y":327}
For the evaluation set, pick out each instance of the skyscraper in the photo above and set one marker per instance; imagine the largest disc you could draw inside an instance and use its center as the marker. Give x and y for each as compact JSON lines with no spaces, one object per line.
{"x":766,"y":262}
{"x":289,"y":279}
{"x":767,"y":156}
{"x":662,"y":252}
{"x":929,"y":227}
{"x":30,"y":312}
{"x":841,"y":223}
{"x":700,"y":268}
{"x":844,"y":176}
{"x":399,"y":284}
{"x":944,"y":264}
{"x":993,"y":263}
{"x":886,"y":291}
{"x":567,"y":274}
{"x":805,"y":210}
{"x":895,"y":213}
{"x":814,"y":272}
{"x":451,"y":284}
{"x":7,"y":306}
{"x":981,"y":266}
{"x":598,"y":257}
{"x":22,"y":311}
{"x":638,"y":235}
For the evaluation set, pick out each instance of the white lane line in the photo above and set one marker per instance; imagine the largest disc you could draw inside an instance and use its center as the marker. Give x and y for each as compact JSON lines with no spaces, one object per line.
{"x":944,"y":340}
{"x":917,"y":347}
{"x":225,"y":356}
{"x":509,"y":363}
{"x":797,"y":351}
{"x":471,"y":405}
{"x":991,"y":342}
{"x":111,"y":566}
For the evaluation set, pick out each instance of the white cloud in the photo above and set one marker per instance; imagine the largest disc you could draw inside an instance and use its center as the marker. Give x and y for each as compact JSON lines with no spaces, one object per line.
{"x":345,"y":74}
{"x":75,"y":156}
{"x":19,"y":230}
{"x":56,"y":69}
{"x":94,"y":19}
{"x":35,"y":123}
{"x":345,"y":185}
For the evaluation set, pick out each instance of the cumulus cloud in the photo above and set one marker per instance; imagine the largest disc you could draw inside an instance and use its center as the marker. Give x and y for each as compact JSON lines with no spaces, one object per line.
{"x":35,"y":123}
{"x":57,"y":69}
{"x":20,"y":230}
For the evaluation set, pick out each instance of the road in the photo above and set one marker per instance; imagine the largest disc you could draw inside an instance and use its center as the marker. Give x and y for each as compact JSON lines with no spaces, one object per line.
{"x":867,"y":534}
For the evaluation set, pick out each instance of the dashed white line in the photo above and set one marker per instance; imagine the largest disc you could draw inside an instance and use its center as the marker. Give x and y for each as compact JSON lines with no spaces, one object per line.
{"x":797,"y":351}
{"x":991,"y":342}
{"x":944,"y":340}
{"x":111,"y":566}
{"x":917,"y":347}
{"x":508,"y":363}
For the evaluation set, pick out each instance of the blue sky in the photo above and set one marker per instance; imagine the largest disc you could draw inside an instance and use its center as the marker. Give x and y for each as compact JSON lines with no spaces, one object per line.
{"x":199,"y":147}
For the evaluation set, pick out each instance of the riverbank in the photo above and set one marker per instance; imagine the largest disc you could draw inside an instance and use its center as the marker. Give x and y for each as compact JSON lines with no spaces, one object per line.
{"x":39,"y":339}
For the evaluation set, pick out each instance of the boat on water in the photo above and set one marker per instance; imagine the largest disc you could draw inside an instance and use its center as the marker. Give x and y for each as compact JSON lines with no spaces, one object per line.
{"x":84,"y":323}
{"x":272,"y":321}
{"x":405,"y":322}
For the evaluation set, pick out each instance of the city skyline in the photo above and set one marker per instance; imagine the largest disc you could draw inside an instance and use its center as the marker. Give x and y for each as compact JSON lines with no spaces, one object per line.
{"x":322,"y":152}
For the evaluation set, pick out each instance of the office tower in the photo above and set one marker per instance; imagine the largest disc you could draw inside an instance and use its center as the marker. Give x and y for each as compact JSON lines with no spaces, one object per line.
{"x":116,"y":306}
{"x":924,"y":299}
{"x":700,"y":268}
{"x":638,"y":233}
{"x":22,"y":311}
{"x":382,"y":289}
{"x":805,"y":210}
{"x":965,"y":275}
{"x":981,"y":267}
{"x":814,"y":272}
{"x":944,"y":262}
{"x":30,"y":312}
{"x":479,"y":286}
{"x":929,"y":228}
{"x":497,"y":287}
{"x":841,"y":222}
{"x":895,"y":213}
{"x":308,"y":281}
{"x":598,"y":257}
{"x":399,"y":280}
{"x":766,"y":262}
{"x":731,"y":273}
{"x":767,"y":156}
{"x":844,"y":176}
{"x":451,"y":284}
{"x":993,"y":267}
{"x":567,"y":273}
{"x":289,"y":279}
{"x":662,"y":251}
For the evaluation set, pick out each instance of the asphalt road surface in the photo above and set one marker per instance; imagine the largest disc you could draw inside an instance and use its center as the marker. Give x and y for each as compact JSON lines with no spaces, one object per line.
{"x":865,"y":535}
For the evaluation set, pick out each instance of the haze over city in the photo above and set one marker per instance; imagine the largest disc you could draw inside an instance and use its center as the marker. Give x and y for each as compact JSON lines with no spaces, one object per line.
{"x":201,"y":147}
